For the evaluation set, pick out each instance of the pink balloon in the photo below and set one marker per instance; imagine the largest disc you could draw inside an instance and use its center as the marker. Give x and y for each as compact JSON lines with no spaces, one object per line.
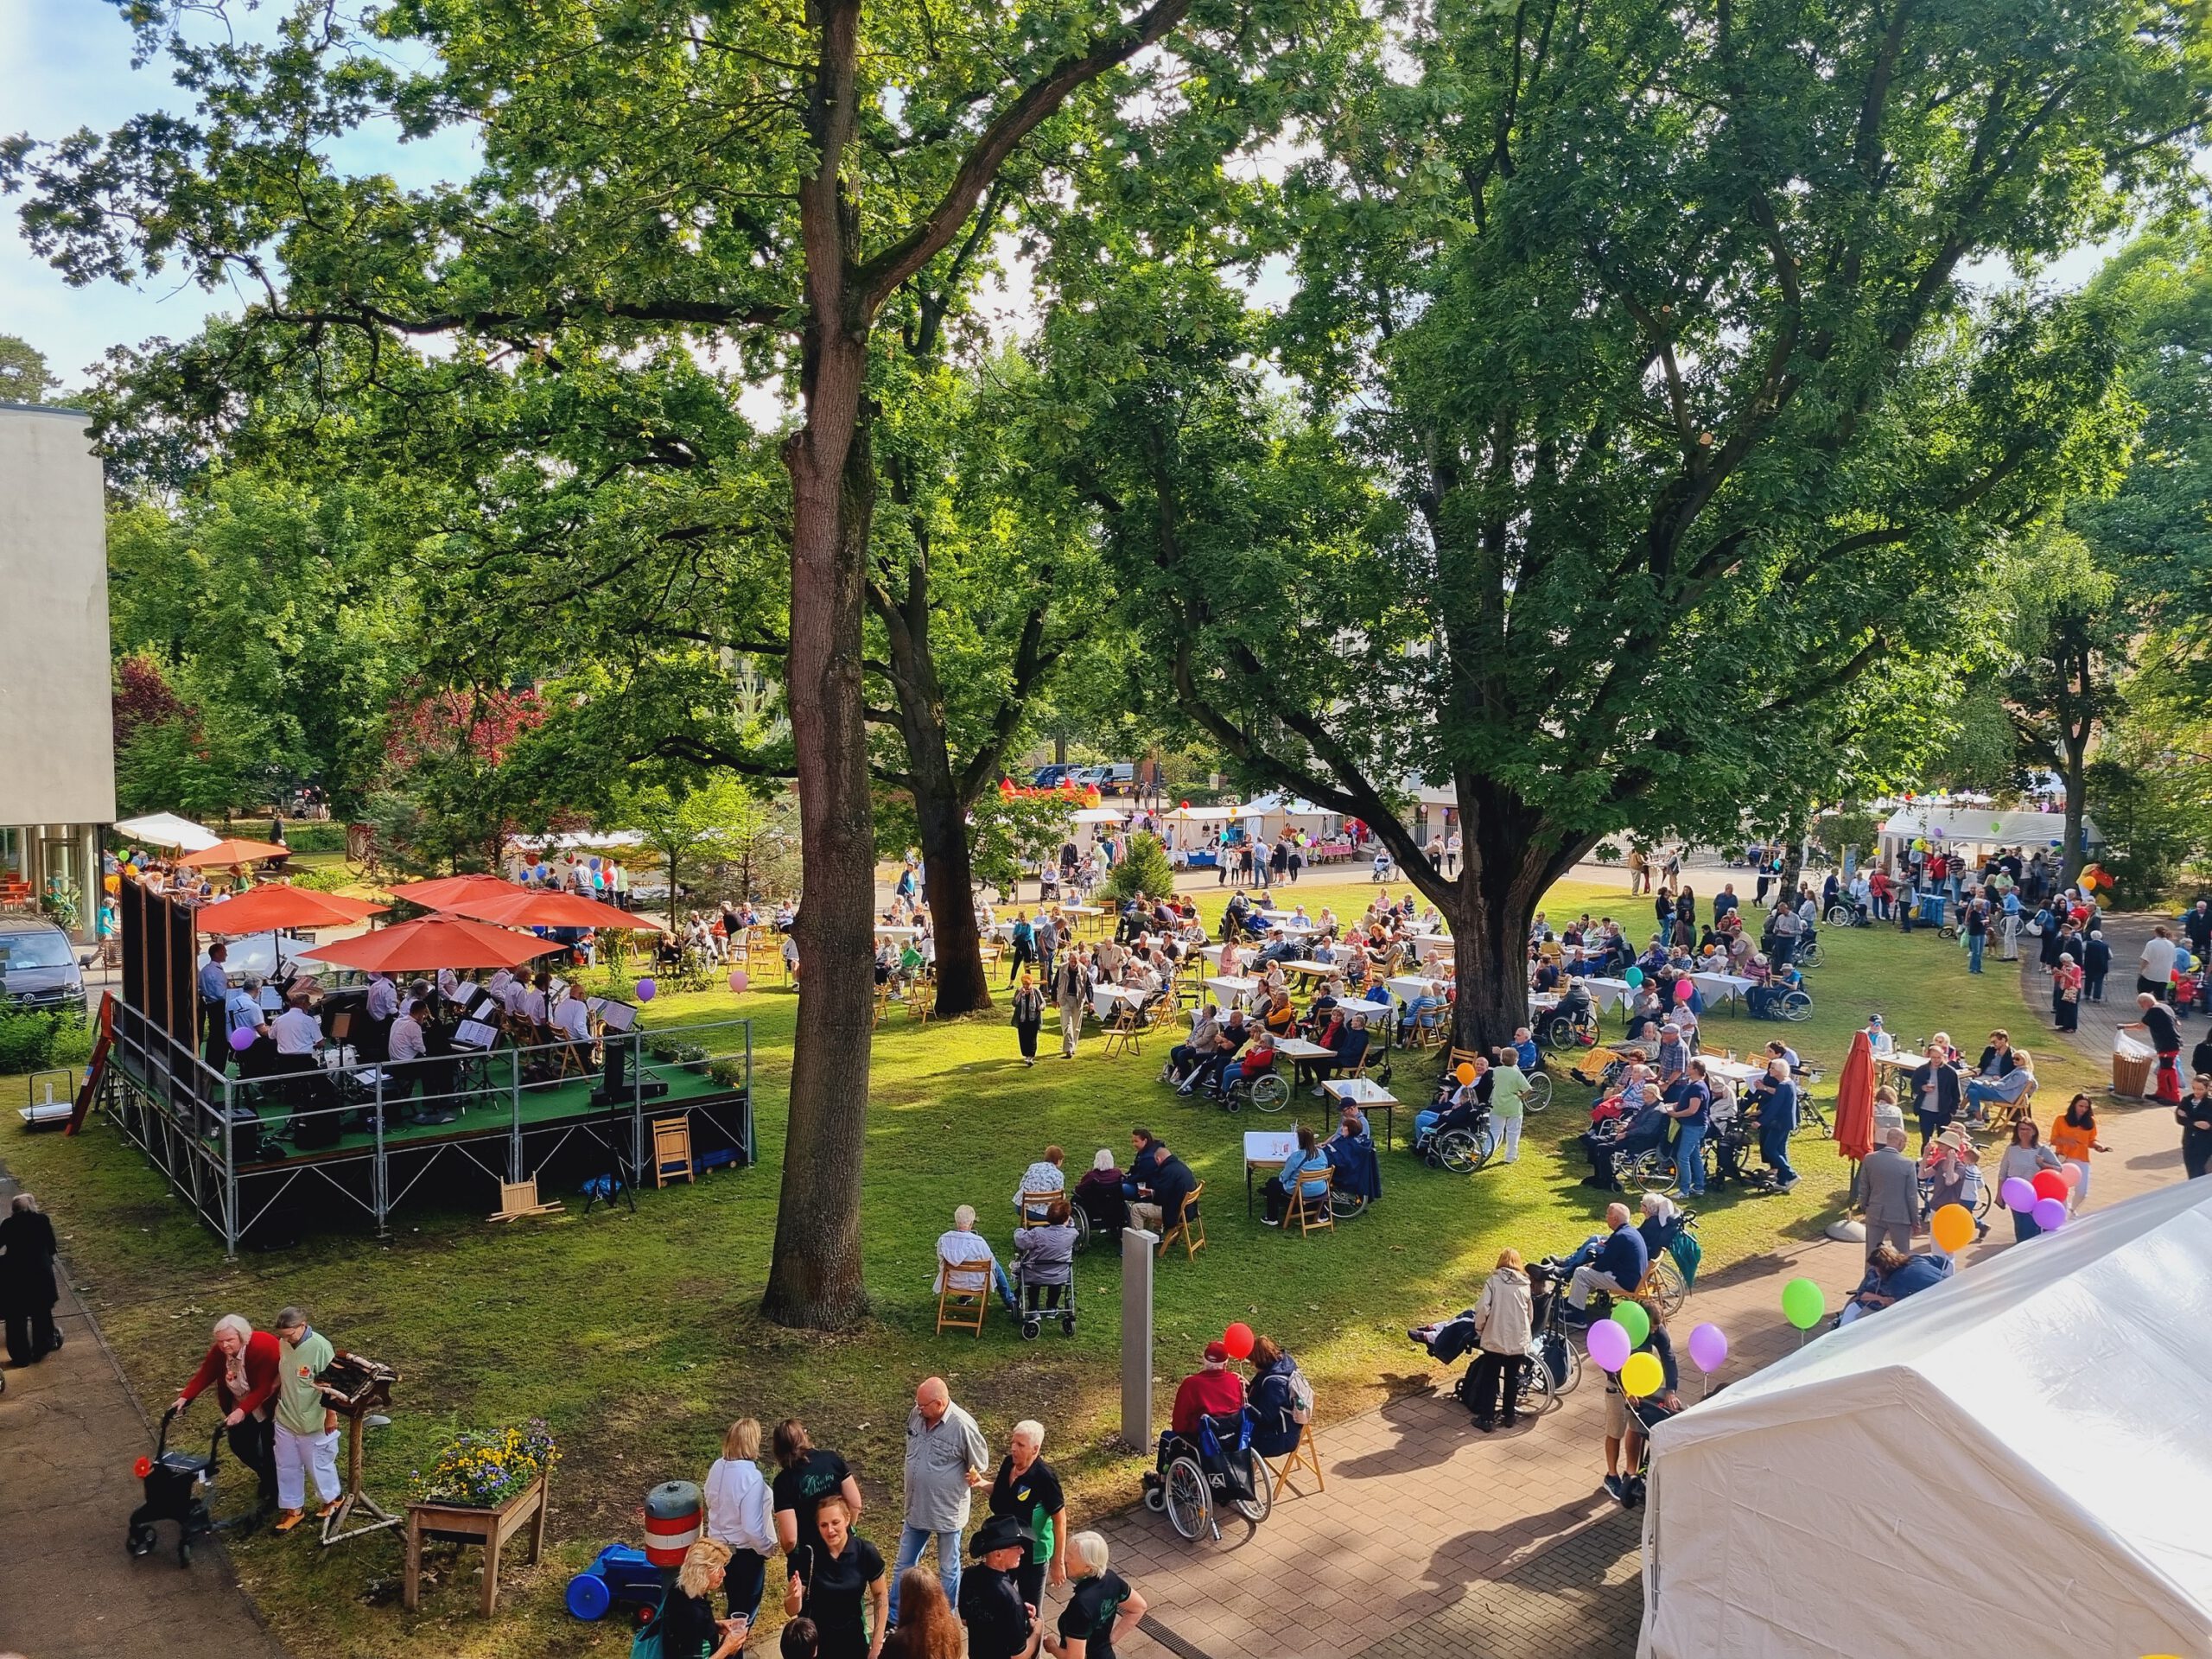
{"x":647,"y":991}
{"x":739,"y":979}
{"x":2070,"y":1175}
{"x":2050,"y":1214}
{"x":1709,"y":1347}
{"x":242,"y":1039}
{"x":1609,"y":1344}
{"x":1682,"y":990}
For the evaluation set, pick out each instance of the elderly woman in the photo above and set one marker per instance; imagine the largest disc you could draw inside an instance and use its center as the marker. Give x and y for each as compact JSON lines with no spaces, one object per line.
{"x":688,"y":1628}
{"x":27,"y":1293}
{"x":242,"y":1365}
{"x":1028,"y":1489}
{"x":1102,"y":1610}
{"x":1504,"y":1320}
{"x":1045,"y":1258}
{"x":1100,"y":1192}
{"x":2009,"y":1084}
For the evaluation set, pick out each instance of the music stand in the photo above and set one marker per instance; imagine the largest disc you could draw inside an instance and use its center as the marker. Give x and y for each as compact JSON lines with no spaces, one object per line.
{"x":356,"y":1385}
{"x":618,"y":1174}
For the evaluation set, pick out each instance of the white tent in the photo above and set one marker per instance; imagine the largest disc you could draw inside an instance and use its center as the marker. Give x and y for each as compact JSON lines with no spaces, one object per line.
{"x":1969,"y":829}
{"x":1271,"y":816}
{"x":2015,"y":1459}
{"x":167,"y":829}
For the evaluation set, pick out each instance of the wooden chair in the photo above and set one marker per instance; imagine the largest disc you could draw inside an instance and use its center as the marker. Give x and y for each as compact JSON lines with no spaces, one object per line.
{"x":1124,"y":1030}
{"x":966,"y":1297}
{"x":921,"y":1001}
{"x":1464,"y":1057}
{"x":672,"y":1150}
{"x":1306,"y":1454}
{"x":1031,"y":1211}
{"x":882,"y":1002}
{"x":1311,"y":1214}
{"x":1190,"y":1225}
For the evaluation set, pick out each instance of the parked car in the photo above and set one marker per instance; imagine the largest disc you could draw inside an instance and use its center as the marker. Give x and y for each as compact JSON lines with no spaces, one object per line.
{"x":1049,"y":776}
{"x":1121,"y":778}
{"x":38,"y":970}
{"x":1090,"y":777}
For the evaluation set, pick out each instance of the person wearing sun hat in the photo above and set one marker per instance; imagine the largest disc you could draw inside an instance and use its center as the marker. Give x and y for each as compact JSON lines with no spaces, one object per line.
{"x":1000,"y":1624}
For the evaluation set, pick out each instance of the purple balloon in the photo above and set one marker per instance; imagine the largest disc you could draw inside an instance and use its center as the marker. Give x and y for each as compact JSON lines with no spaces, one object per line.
{"x":647,"y":991}
{"x":1709,"y":1347}
{"x":2050,"y":1214}
{"x":1609,"y":1344}
{"x":2017,"y":1194}
{"x":242,"y":1039}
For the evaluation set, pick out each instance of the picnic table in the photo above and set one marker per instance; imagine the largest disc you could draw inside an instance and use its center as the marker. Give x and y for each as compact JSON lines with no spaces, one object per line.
{"x":1902,"y":1059}
{"x":1232,"y":988}
{"x":1728,"y":986}
{"x":1407,"y":987}
{"x":1378,"y":1015}
{"x":1268,"y":1149}
{"x":1105,"y":999}
{"x":894,"y":931}
{"x":1735,"y":1071}
{"x":1367,"y":1095}
{"x":1610,"y":993}
{"x":1313,"y":970}
{"x":1432,"y":944}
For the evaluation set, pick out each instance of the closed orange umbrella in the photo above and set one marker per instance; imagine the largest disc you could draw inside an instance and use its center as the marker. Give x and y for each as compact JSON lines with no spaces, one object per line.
{"x":535,"y":908}
{"x":267,"y":909}
{"x":233,"y":850}
{"x":424,"y":947}
{"x":1854,"y":1101}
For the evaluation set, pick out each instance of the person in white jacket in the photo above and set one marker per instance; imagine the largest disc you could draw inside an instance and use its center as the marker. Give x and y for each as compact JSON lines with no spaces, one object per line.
{"x":738,"y":1516}
{"x":1502,"y":1320}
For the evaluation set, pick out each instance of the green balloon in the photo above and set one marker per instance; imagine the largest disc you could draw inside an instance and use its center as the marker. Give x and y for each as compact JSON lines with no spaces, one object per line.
{"x":1632,"y":1317}
{"x":1803,"y":1305}
{"x":1634,"y":976}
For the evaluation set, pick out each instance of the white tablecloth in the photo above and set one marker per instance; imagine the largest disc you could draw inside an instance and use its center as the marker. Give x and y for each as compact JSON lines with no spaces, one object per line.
{"x":1611,"y":993}
{"x":1105,"y":999}
{"x":1233,"y":989}
{"x":1722,"y":984}
{"x":1407,"y":987}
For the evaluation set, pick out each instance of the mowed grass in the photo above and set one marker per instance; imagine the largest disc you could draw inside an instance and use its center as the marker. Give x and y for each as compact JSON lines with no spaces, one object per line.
{"x":638,"y":1336}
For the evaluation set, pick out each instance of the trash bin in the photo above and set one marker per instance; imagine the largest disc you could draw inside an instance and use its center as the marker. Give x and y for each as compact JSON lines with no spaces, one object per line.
{"x":2131,"y":1068}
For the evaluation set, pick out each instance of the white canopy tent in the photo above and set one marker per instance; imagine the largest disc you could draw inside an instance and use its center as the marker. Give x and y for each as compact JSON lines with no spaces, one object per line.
{"x":1092,"y":822}
{"x":1270,"y":816}
{"x":1972,"y":828}
{"x":167,"y":829}
{"x":2017,"y":1455}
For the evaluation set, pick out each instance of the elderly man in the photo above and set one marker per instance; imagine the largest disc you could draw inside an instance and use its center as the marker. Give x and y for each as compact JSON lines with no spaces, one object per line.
{"x":964,"y":1246}
{"x":214,"y":996}
{"x":1621,"y":1264}
{"x":946,"y":1456}
{"x":2156,"y":1021}
{"x":1889,"y":1195}
{"x":1776,"y":1097}
{"x":1070,"y":985}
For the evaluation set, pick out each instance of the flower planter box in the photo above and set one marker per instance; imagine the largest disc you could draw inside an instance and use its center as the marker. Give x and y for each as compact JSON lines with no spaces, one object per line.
{"x":465,"y":1524}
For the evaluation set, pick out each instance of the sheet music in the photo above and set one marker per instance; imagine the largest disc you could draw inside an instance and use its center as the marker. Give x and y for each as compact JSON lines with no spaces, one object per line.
{"x":614,"y":1014}
{"x":474,"y":1034}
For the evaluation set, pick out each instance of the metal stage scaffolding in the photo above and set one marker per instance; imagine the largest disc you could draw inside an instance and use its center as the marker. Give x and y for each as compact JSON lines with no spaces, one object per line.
{"x":237,"y":1148}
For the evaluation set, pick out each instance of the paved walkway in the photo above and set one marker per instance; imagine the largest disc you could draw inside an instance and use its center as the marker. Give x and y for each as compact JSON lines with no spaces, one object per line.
{"x":69,"y":1433}
{"x":1432,"y":1539}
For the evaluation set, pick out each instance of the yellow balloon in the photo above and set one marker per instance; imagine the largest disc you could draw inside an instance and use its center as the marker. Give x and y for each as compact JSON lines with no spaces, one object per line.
{"x":1953,"y":1228}
{"x":1643,"y":1375}
{"x":112,"y":883}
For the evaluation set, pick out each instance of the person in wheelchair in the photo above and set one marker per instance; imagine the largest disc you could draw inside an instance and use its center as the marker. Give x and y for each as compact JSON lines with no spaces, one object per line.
{"x":1763,"y":999}
{"x":1462,"y":1095}
{"x":1212,"y":1391}
{"x":1642,"y":1127}
{"x":1044,"y":1268}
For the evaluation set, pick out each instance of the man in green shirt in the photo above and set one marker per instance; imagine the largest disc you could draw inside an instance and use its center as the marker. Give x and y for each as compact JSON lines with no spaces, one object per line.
{"x":1508,"y":1087}
{"x":307,"y":1427}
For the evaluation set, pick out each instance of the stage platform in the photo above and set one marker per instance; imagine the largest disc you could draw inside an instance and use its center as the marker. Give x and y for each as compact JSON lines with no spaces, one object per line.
{"x":257,"y":1158}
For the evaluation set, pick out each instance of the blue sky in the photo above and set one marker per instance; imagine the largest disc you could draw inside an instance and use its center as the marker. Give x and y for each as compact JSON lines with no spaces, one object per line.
{"x":67,"y":64}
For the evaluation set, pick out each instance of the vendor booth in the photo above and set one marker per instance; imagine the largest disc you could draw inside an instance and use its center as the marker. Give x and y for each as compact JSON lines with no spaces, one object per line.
{"x":1189,"y":831}
{"x":1974,"y":830}
{"x":2015,"y":1457}
{"x":1271,"y":816}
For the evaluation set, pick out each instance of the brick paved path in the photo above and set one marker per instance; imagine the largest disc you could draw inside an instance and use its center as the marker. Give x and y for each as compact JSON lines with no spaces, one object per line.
{"x":1432,"y":1539}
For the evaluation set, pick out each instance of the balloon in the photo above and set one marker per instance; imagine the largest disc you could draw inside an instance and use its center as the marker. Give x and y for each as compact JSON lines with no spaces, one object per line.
{"x":2049,"y":1184}
{"x":2071,"y":1175}
{"x":242,"y":1040}
{"x":1182,"y":806}
{"x":739,"y":979}
{"x":1953,"y":1228}
{"x":1908,"y":795}
{"x":2050,"y":1214}
{"x":1632,"y":1318}
{"x":1643,"y":1375}
{"x":2017,"y":1195}
{"x":1634,"y":977}
{"x":1802,"y":1303}
{"x":112,"y":883}
{"x":1997,"y":825}
{"x":1465,"y":1073}
{"x":1682,"y":990}
{"x":1709,"y":1347}
{"x":1609,"y":1344}
{"x":647,"y":991}
{"x":1238,"y":1339}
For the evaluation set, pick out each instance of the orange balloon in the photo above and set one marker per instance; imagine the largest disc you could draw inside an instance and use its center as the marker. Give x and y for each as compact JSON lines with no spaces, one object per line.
{"x":1953,"y":1228}
{"x":1465,"y":1073}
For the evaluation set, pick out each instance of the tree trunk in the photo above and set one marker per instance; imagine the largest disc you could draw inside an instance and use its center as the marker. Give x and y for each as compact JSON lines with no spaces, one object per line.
{"x":2073,"y":767}
{"x":949,"y":884}
{"x":815,"y":1278}
{"x":1505,"y":866}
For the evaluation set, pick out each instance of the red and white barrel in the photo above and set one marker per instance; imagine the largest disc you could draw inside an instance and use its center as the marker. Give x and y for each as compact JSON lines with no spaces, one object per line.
{"x":672,"y":1518}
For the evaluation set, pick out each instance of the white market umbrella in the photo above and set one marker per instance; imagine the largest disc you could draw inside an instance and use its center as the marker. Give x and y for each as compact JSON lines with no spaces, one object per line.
{"x":167,"y":829}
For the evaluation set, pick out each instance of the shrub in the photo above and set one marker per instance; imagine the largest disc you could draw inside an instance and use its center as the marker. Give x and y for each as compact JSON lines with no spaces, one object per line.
{"x":1145,"y":868}
{"x":330,"y":880}
{"x":32,"y":1041}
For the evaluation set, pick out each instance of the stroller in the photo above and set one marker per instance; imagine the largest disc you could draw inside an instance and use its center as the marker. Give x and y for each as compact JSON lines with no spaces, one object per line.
{"x":179,"y":1487}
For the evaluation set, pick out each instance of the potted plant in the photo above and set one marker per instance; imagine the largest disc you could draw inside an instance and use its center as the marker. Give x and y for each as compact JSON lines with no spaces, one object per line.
{"x":485,"y":1469}
{"x":728,"y":1071}
{"x":692,"y":1058}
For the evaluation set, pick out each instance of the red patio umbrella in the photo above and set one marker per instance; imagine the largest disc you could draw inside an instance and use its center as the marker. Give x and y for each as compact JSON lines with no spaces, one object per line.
{"x":267,"y":909}
{"x":232,"y":850}
{"x":1854,"y":1101}
{"x":528,"y":907}
{"x":441,"y":893}
{"x":426,"y":946}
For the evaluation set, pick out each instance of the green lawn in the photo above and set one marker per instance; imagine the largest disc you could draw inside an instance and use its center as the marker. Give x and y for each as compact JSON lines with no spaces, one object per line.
{"x":637,"y":1337}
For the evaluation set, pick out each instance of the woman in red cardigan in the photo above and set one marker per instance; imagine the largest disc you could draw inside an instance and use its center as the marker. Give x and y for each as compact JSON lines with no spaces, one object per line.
{"x":243,"y":1365}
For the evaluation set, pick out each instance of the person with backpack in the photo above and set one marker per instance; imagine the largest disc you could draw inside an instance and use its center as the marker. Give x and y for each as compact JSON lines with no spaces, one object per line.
{"x":1280,"y":1399}
{"x":1025,"y":945}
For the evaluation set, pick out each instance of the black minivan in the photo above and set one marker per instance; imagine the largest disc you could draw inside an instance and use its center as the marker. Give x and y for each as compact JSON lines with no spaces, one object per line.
{"x":38,"y":970}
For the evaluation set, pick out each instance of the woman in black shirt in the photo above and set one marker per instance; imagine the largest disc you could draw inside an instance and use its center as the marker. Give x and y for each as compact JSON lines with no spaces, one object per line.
{"x":1101,"y":1607}
{"x":806,"y":1474}
{"x":831,"y":1577}
{"x":688,"y":1628}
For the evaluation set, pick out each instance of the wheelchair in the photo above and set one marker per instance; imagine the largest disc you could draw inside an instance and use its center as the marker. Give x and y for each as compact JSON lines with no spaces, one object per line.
{"x":1197,"y":1478}
{"x":1566,"y":1031}
{"x":1269,"y":1092}
{"x":1462,"y":1150}
{"x":1791,"y":1005}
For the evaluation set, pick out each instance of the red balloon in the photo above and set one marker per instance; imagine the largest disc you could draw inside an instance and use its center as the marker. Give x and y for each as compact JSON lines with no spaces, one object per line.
{"x":1183,"y":806}
{"x":2049,"y":1184}
{"x":1238,"y":1339}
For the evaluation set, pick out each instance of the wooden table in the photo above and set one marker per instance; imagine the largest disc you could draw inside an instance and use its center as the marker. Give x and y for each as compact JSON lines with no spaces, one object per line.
{"x":1360,"y":1092}
{"x":461,"y":1524}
